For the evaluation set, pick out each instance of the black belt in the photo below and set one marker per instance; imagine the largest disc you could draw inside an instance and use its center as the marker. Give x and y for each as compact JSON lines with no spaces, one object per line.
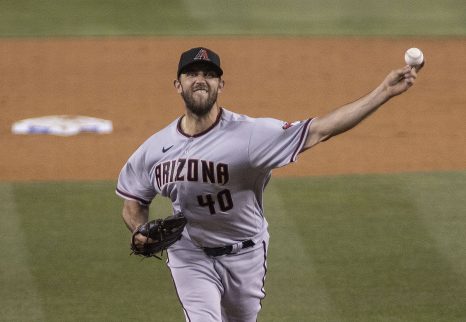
{"x":219,"y":251}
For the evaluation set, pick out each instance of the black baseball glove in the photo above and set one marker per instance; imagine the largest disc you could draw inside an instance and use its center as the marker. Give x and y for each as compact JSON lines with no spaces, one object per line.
{"x":162,"y":232}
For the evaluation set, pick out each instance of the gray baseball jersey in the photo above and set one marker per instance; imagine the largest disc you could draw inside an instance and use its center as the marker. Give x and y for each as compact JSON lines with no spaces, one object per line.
{"x":215,"y":178}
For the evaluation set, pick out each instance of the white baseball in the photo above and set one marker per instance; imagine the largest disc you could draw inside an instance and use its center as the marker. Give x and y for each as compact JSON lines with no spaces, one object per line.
{"x":414,"y":57}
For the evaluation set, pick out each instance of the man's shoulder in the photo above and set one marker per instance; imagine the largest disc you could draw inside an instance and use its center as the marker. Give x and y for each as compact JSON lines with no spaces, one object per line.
{"x":166,"y":131}
{"x":256,"y":121}
{"x":230,"y":116}
{"x":162,"y":137}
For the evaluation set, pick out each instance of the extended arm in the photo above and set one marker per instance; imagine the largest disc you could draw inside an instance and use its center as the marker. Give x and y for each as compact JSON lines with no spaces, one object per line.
{"x":349,"y":115}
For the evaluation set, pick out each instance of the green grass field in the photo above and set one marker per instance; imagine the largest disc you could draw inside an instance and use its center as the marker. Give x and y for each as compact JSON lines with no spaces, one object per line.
{"x":227,"y":18}
{"x":344,"y":248}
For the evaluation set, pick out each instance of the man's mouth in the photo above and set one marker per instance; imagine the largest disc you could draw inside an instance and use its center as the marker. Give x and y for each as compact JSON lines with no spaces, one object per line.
{"x":200,"y":89}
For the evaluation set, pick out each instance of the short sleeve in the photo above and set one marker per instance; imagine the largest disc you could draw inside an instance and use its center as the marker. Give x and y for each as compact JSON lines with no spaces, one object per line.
{"x":134,"y":180}
{"x":275,"y":143}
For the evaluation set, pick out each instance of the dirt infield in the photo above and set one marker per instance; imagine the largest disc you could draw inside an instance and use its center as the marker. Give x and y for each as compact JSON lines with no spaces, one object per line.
{"x":129,"y":81}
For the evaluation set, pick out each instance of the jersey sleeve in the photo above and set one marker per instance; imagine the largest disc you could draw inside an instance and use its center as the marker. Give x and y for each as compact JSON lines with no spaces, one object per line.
{"x":134,"y":180}
{"x":275,"y":143}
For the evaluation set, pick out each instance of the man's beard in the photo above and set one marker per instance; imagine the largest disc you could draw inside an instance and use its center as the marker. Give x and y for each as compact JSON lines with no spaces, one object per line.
{"x":199,"y":107}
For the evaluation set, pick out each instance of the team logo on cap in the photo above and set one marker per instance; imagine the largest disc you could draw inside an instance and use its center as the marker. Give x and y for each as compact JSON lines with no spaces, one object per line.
{"x":202,"y":55}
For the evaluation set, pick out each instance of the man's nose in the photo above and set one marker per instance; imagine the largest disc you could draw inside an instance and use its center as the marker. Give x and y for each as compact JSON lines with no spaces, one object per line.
{"x":200,"y":77}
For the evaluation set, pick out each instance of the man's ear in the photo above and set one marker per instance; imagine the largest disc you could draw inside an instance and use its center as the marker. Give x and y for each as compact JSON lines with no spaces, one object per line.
{"x":221,"y":85}
{"x":177,"y":85}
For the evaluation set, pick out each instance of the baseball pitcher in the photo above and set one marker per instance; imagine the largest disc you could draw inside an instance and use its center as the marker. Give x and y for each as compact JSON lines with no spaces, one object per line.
{"x":214,"y":165}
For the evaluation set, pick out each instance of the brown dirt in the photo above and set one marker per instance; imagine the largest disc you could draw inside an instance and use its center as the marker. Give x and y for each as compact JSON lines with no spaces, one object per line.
{"x":129,"y":81}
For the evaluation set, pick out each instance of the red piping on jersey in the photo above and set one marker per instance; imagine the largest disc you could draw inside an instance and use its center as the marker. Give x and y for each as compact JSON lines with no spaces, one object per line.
{"x":203,"y":132}
{"x":302,"y":140}
{"x":264,"y":246}
{"x":127,"y":195}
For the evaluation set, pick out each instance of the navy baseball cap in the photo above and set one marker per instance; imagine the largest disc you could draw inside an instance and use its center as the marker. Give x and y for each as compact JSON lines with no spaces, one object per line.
{"x":199,"y":55}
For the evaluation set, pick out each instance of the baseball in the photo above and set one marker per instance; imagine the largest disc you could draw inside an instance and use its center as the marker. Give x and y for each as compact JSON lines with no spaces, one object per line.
{"x":414,"y":57}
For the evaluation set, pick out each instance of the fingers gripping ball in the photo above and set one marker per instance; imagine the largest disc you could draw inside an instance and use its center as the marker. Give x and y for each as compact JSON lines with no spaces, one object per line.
{"x":414,"y":57}
{"x":160,"y":234}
